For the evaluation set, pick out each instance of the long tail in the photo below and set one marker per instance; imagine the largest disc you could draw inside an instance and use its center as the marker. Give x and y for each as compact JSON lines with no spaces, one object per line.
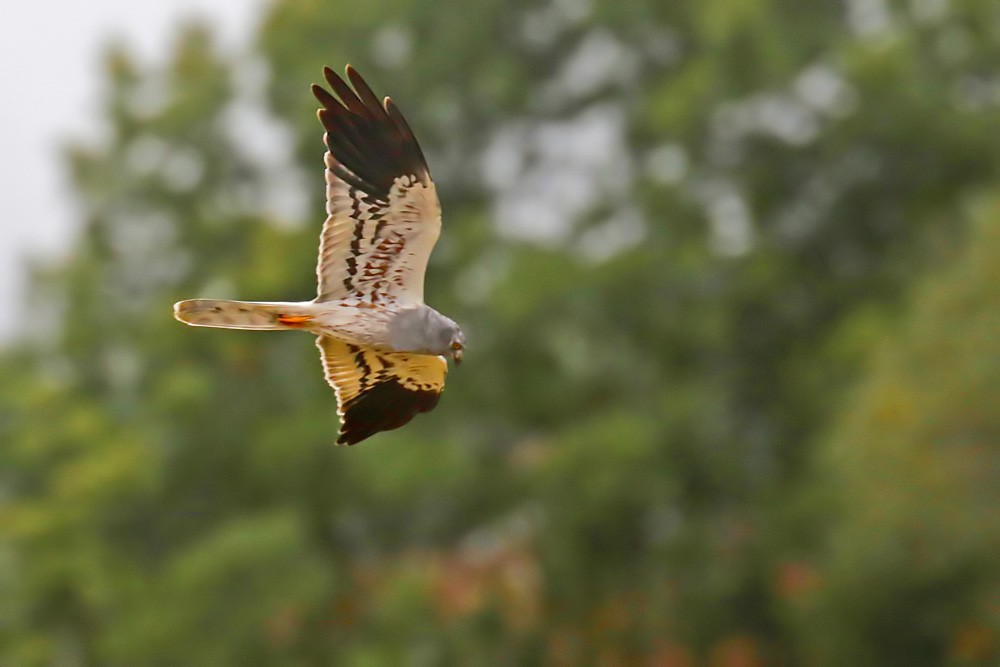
{"x":243,"y":314}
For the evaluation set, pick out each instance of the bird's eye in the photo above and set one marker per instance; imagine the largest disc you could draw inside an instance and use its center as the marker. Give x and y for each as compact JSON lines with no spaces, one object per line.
{"x":456,"y":346}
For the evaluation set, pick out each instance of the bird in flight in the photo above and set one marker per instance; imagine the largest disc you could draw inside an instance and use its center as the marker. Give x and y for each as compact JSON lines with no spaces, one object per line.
{"x":383,"y":350}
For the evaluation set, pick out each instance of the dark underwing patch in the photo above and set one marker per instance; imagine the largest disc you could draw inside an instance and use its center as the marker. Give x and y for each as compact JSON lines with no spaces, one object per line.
{"x":383,"y":407}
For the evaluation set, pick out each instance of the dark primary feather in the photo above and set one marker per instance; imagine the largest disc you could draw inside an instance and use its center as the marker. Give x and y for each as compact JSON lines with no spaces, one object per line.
{"x":370,"y":140}
{"x":386,"y":406}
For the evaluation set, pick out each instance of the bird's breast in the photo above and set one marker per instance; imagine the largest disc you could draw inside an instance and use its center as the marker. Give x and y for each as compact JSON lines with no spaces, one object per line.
{"x":355,"y":321}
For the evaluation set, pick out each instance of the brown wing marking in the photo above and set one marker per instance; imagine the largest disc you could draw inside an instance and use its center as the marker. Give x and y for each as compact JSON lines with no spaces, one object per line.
{"x":384,"y":215}
{"x":379,"y":391}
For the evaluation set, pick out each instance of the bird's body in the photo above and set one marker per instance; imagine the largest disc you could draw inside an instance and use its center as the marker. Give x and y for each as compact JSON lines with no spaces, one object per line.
{"x":387,"y":327}
{"x":384,"y":351}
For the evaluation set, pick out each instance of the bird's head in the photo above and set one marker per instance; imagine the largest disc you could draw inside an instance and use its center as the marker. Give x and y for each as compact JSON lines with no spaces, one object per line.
{"x":426,"y":331}
{"x":457,"y":345}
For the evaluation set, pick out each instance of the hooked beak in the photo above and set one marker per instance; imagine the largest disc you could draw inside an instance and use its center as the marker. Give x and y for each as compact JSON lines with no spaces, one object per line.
{"x":457,"y":356}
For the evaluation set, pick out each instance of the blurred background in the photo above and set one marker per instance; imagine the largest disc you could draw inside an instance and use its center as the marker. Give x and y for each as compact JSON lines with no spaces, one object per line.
{"x":730,"y":274}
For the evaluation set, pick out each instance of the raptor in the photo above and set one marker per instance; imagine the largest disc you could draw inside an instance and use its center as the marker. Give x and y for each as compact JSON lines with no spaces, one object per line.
{"x":384,"y":351}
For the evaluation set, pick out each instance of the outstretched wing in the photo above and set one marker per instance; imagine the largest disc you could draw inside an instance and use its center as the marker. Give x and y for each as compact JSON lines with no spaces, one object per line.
{"x":379,"y":391}
{"x":384,"y":215}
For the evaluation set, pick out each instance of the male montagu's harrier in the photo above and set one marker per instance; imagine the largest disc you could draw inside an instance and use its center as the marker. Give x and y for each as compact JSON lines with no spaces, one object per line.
{"x":384,"y":351}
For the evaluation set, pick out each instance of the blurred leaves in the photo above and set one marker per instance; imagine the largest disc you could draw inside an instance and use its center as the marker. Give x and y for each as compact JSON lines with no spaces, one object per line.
{"x":919,"y":534}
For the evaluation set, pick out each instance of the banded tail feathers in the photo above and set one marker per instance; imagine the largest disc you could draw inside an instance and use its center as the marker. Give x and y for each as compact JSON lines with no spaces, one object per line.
{"x":261,"y":315}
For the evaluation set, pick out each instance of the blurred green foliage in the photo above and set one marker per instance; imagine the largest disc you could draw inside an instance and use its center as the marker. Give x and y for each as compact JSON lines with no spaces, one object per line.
{"x":729,"y":275}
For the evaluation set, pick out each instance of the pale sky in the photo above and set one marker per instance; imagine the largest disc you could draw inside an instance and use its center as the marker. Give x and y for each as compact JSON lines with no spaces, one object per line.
{"x":57,"y":46}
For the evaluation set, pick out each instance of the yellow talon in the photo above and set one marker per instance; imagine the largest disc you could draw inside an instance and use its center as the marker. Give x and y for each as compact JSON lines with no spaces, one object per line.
{"x":294,"y":320}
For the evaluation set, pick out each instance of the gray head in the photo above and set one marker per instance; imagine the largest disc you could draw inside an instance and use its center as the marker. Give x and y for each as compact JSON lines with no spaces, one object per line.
{"x":425,"y":331}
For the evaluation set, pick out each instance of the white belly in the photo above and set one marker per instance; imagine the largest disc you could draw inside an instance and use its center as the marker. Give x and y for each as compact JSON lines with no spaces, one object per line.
{"x":353,"y":321}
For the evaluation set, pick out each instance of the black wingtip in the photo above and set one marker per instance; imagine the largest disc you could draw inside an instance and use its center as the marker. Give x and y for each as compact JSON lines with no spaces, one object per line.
{"x":330,"y":76}
{"x":368,"y":136}
{"x":350,"y":72}
{"x":323,"y":96}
